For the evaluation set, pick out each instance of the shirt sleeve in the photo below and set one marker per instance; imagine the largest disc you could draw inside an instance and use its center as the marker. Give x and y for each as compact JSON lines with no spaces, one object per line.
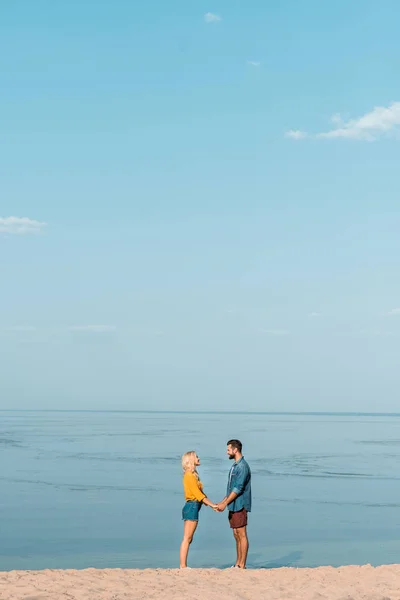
{"x":193,"y":487}
{"x":241,"y":480}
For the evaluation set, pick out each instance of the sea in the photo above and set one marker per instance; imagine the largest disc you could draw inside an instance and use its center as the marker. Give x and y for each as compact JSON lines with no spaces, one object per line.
{"x":104,"y":489}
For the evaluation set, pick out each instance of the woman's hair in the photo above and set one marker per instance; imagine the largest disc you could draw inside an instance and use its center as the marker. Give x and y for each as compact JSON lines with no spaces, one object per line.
{"x":188,"y":462}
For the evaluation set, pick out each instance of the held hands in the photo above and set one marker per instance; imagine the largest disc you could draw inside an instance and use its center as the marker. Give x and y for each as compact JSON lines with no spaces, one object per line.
{"x":220,"y":507}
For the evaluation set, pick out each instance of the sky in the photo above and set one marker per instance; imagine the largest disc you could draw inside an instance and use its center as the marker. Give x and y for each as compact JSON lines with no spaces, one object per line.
{"x":199,"y":205}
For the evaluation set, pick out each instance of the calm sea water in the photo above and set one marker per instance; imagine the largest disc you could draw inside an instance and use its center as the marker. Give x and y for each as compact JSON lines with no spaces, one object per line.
{"x":104,"y":489}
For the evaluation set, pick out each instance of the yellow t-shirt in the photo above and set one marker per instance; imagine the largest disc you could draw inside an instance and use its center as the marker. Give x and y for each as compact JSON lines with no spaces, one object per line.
{"x":192,"y":487}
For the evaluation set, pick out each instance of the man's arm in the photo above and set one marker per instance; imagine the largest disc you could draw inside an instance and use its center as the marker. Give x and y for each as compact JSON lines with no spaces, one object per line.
{"x":237,"y":490}
{"x":227,"y":500}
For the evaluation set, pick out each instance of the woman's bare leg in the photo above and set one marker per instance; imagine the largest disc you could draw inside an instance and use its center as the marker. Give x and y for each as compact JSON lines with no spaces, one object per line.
{"x":189,"y":527}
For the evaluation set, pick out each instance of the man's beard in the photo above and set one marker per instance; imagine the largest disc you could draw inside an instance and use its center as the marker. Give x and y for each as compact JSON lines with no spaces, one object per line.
{"x":231,"y":456}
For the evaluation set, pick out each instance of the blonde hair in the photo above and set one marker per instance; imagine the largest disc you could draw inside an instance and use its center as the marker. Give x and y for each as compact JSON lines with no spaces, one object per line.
{"x":188,"y":462}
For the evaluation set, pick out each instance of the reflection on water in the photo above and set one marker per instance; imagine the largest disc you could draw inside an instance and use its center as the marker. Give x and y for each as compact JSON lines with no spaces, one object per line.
{"x":104,"y":489}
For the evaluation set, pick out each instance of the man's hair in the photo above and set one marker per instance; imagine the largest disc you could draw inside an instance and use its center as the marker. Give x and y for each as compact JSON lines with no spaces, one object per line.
{"x":235,"y":444}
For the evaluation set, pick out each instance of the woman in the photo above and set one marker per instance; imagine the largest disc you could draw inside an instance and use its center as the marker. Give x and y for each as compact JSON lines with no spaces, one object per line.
{"x":195,"y":498}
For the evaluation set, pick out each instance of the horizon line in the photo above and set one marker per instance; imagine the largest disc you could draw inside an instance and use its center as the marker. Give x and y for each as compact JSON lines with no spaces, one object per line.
{"x":205,"y":412}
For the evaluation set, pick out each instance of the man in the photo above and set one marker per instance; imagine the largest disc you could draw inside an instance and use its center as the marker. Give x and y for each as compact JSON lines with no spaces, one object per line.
{"x":238,"y":500}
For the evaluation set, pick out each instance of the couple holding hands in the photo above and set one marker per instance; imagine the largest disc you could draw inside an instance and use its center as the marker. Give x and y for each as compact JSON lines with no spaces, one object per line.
{"x":237,"y":499}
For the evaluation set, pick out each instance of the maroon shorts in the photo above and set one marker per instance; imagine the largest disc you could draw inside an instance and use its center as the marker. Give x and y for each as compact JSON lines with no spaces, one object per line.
{"x":238,"y":519}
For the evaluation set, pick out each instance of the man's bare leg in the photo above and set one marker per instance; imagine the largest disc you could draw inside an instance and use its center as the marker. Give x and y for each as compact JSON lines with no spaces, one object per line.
{"x":242,"y":544}
{"x":237,"y":540}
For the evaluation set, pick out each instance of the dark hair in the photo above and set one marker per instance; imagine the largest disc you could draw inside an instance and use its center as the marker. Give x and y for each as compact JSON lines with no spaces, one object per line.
{"x":236,"y":444}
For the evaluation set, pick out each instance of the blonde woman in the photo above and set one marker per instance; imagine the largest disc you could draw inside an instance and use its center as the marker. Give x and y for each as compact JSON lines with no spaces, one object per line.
{"x":195,"y":498}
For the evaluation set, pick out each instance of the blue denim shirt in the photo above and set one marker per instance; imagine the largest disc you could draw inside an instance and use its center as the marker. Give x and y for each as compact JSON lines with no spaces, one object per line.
{"x":239,"y":481}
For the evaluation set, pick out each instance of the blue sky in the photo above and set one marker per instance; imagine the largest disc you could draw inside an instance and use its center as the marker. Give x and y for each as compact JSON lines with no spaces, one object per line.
{"x":199,"y":204}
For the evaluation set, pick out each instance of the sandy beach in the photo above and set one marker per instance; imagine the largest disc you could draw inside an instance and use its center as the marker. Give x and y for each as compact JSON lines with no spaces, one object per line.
{"x":345,"y":583}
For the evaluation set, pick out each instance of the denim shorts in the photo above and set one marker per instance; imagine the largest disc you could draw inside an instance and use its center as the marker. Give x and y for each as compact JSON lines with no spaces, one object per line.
{"x":190,"y":511}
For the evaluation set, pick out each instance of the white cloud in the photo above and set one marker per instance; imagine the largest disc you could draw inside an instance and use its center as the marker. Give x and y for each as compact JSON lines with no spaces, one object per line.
{"x":211,"y":18}
{"x":254,"y":63}
{"x":314,"y":315}
{"x":296,"y":134}
{"x":337,"y":119}
{"x":380,"y":121}
{"x":93,"y":328}
{"x":22,"y":328}
{"x":275,"y":331}
{"x":393,"y":312}
{"x":20,"y":225}
{"x":377,"y":332}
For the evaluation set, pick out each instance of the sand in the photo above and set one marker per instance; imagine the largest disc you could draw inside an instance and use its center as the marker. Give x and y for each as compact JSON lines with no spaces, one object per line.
{"x":345,"y":583}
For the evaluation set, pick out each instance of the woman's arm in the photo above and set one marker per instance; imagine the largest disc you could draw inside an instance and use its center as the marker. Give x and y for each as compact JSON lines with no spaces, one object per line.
{"x":193,"y":485}
{"x":208,"y":502}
